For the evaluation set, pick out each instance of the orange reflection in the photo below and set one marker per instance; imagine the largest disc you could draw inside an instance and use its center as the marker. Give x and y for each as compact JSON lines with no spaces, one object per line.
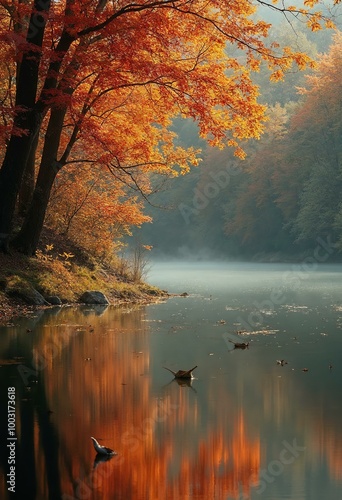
{"x":327,"y":442}
{"x":97,"y":383}
{"x":95,"y":376}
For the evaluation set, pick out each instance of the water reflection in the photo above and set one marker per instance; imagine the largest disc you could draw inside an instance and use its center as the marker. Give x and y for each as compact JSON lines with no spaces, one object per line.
{"x":81,"y":375}
{"x":244,"y":428}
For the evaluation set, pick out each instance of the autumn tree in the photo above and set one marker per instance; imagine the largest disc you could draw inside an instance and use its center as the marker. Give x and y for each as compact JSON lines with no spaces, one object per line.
{"x":100,"y":82}
{"x":92,"y":211}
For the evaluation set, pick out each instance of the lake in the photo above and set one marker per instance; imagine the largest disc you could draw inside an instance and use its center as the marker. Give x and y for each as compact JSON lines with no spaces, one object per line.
{"x":262,"y":422}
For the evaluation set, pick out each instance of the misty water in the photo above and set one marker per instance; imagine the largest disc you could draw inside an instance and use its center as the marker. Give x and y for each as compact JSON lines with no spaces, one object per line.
{"x":246,"y":427}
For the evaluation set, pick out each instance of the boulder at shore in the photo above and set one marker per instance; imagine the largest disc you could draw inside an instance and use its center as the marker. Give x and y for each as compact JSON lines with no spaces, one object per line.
{"x":31,"y":296}
{"x":94,"y":297}
{"x":54,"y":300}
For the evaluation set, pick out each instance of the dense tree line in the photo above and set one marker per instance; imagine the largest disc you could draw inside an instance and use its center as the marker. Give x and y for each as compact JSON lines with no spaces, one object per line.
{"x":287,"y":194}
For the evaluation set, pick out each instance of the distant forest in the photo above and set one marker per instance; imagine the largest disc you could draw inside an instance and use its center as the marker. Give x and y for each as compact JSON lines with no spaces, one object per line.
{"x":286,"y":195}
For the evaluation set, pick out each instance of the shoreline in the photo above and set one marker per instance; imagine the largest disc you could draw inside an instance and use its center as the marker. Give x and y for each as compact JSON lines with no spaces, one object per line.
{"x":12,"y":309}
{"x":61,"y":279}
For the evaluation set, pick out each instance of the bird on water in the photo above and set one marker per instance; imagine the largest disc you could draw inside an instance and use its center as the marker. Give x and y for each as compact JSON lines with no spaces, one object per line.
{"x":103,"y":450}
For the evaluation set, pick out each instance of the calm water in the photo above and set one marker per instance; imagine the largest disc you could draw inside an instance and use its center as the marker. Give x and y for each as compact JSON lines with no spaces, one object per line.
{"x":244,"y":428}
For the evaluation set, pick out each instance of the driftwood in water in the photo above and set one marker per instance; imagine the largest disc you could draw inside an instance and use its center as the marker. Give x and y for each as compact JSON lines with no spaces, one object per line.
{"x":240,"y":345}
{"x":186,"y":374}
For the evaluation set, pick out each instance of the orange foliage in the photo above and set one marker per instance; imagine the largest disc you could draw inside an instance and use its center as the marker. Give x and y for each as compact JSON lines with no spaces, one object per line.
{"x":92,"y":210}
{"x":324,"y":88}
{"x":167,"y":57}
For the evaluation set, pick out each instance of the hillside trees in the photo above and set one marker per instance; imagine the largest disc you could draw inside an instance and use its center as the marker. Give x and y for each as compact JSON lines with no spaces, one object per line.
{"x":294,"y":179}
{"x":99,"y":82}
{"x":318,"y":124}
{"x":252,"y":216}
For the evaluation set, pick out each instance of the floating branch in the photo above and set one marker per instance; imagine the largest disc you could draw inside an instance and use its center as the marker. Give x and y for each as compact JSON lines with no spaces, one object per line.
{"x":182,"y":373}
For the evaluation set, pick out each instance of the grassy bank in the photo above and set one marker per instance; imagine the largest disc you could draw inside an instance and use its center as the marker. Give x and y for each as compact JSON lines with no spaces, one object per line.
{"x":60,"y":269}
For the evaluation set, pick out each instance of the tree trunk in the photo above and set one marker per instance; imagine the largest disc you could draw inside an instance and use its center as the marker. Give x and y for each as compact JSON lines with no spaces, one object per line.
{"x":28,"y":238}
{"x":10,"y":180}
{"x":27,"y":184}
{"x":27,"y":119}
